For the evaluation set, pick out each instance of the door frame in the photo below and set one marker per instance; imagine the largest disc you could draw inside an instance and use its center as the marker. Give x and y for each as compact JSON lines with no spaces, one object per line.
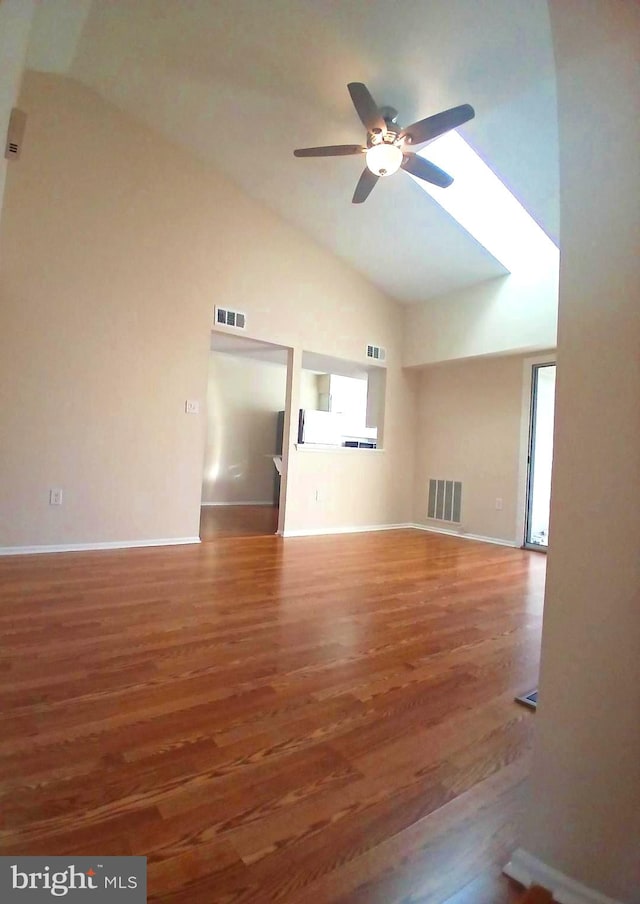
{"x":290,"y":432}
{"x":526,"y":440}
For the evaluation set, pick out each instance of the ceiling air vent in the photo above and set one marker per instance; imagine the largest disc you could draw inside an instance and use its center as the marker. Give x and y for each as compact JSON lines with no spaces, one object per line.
{"x":231,"y":318}
{"x":15,"y":134}
{"x":376,"y":352}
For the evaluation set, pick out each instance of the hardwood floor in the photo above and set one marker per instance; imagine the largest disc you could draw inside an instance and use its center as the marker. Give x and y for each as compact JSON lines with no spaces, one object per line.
{"x":310,"y":720}
{"x":219,"y":521}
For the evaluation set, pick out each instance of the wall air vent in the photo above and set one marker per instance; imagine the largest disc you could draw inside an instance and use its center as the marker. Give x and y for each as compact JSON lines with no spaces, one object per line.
{"x":445,"y":500}
{"x":236,"y":319}
{"x":376,"y":352}
{"x":15,"y":134}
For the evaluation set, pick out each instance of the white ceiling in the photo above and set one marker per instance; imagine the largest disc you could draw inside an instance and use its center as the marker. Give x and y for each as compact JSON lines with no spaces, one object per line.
{"x":242,"y":82}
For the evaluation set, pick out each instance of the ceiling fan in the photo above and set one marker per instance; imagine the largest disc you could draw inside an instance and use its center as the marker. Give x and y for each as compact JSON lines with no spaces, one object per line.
{"x":387,"y":142}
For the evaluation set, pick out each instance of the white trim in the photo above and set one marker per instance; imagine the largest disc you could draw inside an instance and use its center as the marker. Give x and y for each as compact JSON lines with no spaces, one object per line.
{"x":87,"y":547}
{"x":528,"y":870}
{"x":256,"y":502}
{"x":463,"y":536}
{"x":325,"y":531}
{"x":322,"y":531}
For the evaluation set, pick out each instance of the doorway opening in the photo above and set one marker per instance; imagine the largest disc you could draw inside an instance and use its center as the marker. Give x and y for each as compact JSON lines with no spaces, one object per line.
{"x":246,"y":390}
{"x":540,"y":457}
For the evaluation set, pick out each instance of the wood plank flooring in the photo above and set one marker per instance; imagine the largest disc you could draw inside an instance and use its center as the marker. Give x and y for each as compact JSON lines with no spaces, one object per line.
{"x":307,"y":720}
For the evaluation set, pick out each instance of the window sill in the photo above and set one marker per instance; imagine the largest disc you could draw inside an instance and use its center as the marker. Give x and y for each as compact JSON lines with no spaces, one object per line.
{"x":318,"y":447}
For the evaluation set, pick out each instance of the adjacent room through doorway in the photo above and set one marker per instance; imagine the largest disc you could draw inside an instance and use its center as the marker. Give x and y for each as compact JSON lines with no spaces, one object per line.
{"x":241,"y":482}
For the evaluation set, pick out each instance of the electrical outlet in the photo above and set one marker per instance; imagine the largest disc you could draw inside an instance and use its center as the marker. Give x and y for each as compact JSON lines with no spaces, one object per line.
{"x":191,"y":406}
{"x":55,"y":496}
{"x":498,"y":504}
{"x":317,"y":495}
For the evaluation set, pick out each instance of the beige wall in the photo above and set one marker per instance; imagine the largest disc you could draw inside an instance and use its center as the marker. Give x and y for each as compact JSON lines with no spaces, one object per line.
{"x":115,"y":247}
{"x":15,"y":24}
{"x":243,"y":400}
{"x":584,"y":815}
{"x":309,"y":393}
{"x":515,"y":313}
{"x":374,"y":487}
{"x":469,"y":418}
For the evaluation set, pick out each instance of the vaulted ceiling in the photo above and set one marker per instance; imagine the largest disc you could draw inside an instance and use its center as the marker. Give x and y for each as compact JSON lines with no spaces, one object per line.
{"x":240,"y":83}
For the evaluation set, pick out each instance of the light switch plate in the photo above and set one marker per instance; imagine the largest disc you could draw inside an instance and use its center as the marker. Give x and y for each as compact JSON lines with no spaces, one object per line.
{"x":192,"y":406}
{"x":55,"y":496}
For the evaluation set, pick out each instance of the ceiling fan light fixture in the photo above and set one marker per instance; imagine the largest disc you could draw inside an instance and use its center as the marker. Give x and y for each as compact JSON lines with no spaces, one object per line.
{"x":384,"y":159}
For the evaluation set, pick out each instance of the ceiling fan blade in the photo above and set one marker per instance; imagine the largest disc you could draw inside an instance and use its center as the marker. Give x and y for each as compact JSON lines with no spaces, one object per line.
{"x":425,"y":170}
{"x":365,"y":186}
{"x":433,"y":126}
{"x":330,"y":150}
{"x":366,"y":108}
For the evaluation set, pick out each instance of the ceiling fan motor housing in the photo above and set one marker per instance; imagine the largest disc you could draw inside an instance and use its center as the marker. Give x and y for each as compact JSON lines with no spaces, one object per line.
{"x":377,"y":136}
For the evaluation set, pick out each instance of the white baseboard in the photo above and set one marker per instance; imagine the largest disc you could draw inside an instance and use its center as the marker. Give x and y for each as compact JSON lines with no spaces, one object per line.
{"x":179,"y":541}
{"x":257,"y":502}
{"x":88,"y":547}
{"x":464,"y":536}
{"x":322,"y":531}
{"x":325,"y":531}
{"x":528,"y":870}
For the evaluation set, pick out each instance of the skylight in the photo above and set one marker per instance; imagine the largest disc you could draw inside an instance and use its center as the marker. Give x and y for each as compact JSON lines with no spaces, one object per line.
{"x":485,"y":207}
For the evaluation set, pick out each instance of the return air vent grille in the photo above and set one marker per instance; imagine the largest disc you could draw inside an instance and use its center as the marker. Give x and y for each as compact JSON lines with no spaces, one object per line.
{"x":231,"y":318}
{"x":15,"y":134}
{"x":445,"y":500}
{"x":376,"y":352}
